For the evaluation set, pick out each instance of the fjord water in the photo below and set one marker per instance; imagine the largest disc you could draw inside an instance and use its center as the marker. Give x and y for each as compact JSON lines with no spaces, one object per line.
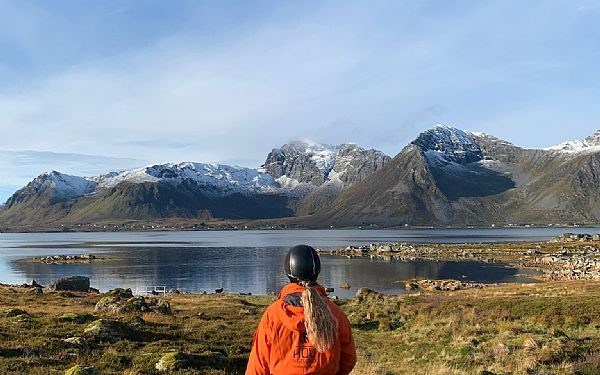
{"x":249,"y":261}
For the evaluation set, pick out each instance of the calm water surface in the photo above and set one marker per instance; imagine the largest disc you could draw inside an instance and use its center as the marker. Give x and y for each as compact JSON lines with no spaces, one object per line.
{"x":249,"y":261}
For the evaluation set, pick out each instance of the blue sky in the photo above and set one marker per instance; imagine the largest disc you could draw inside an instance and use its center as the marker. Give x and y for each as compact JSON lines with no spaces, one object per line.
{"x":92,"y":86}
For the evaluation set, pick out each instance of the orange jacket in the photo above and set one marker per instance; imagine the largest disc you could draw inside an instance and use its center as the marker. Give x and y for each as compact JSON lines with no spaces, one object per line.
{"x":280,"y":345}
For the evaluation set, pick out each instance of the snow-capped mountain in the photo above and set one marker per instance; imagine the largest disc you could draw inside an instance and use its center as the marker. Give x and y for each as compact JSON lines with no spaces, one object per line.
{"x":589,"y":144}
{"x":446,"y":176}
{"x":218,"y":178}
{"x":310,"y":179}
{"x":301,"y":162}
{"x":450,"y":144}
{"x":62,"y":186}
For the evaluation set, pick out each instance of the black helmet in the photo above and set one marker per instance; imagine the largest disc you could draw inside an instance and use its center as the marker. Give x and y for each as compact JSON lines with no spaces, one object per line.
{"x":302,"y":263}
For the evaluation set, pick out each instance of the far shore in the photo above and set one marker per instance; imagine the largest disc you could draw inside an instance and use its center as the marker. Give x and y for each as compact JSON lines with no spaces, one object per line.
{"x":293,"y":223}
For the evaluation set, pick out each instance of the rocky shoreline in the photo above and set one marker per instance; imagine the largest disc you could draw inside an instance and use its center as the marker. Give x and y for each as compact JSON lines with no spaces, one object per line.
{"x":59,"y":259}
{"x":567,"y":257}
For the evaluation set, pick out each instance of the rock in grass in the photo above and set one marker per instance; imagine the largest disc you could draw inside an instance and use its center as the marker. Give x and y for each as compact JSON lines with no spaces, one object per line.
{"x":121,"y":293}
{"x":134,"y":304}
{"x":107,"y":330}
{"x":11,"y":313}
{"x":121,"y":305}
{"x":136,"y":322}
{"x":36,"y":290}
{"x":162,"y":307}
{"x":23,"y":318}
{"x":80,"y":370}
{"x":172,"y":361}
{"x":75,"y":318}
{"x":75,"y":341}
{"x":123,"y":301}
{"x":33,"y":284}
{"x":72,"y":283}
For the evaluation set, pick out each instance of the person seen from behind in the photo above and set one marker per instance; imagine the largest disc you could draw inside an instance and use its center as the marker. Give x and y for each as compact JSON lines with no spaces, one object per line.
{"x":303,"y":332}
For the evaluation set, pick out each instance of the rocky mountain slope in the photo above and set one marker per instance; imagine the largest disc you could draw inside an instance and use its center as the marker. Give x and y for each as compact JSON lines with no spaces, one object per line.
{"x":450,"y":177}
{"x":186,"y":190}
{"x":446,"y":176}
{"x":319,"y":173}
{"x":296,"y":178}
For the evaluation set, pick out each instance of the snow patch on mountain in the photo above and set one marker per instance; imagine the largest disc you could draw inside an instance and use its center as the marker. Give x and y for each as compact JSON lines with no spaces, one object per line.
{"x":288,"y":182}
{"x":323,"y":156}
{"x":335,"y":179}
{"x":490,"y":137}
{"x":440,"y":160}
{"x":451,"y":143}
{"x":225,"y":179}
{"x":590,"y":144}
{"x":62,"y":185}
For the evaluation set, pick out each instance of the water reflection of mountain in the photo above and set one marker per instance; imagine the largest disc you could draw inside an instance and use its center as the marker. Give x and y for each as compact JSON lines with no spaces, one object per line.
{"x":193,"y":269}
{"x":246,"y":269}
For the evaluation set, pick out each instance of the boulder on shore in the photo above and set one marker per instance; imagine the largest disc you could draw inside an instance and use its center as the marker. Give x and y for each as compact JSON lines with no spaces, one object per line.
{"x":72,"y":284}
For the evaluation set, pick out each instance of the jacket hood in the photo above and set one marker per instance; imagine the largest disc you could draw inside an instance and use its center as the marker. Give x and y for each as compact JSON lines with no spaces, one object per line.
{"x":291,"y":316}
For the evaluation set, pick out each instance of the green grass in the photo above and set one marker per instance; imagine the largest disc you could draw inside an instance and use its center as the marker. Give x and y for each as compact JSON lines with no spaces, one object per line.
{"x":551,"y":328}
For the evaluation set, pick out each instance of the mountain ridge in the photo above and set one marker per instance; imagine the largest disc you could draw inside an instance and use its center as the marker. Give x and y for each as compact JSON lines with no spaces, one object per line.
{"x":445,"y":176}
{"x":473,"y":179}
{"x":187,"y":190}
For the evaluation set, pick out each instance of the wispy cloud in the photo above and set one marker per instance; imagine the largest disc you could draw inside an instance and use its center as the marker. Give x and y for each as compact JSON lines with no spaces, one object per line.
{"x":214,"y":81}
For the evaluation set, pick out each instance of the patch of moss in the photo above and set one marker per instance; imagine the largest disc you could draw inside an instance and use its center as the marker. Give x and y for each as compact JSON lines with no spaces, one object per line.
{"x":108,"y":330}
{"x":172,"y":361}
{"x":80,"y":370}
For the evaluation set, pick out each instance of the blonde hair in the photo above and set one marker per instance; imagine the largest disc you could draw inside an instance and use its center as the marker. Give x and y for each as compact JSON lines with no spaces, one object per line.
{"x":321,"y":325}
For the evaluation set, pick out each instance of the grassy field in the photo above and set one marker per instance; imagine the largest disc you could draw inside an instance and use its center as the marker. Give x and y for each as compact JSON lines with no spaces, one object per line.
{"x":545,"y":328}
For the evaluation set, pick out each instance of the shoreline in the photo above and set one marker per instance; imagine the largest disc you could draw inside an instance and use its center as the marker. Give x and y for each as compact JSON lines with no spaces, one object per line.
{"x":574,"y":260}
{"x":228,"y":225}
{"x":494,"y":328}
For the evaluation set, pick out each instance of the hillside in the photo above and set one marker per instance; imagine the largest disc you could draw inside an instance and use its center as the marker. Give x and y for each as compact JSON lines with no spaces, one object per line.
{"x":446,"y":176}
{"x":296,"y":179}
{"x":450,"y":177}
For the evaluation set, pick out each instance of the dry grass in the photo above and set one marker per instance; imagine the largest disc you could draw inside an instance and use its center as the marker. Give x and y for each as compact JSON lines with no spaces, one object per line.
{"x":551,"y":328}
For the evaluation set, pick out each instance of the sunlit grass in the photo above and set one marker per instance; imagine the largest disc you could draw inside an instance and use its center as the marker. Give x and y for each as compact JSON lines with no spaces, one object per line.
{"x":512,"y":329}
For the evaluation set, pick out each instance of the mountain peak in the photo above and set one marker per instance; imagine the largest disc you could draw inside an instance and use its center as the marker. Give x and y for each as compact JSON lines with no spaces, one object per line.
{"x":451,"y":143}
{"x":594,"y":139}
{"x":306,"y":162}
{"x":63,"y":186}
{"x":589,"y":144}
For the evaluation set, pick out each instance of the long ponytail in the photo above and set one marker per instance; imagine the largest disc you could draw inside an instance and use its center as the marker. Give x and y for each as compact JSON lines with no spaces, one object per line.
{"x":321,"y":325}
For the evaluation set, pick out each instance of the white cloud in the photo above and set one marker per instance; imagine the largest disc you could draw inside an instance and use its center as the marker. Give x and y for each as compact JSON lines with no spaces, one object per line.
{"x":375,"y":75}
